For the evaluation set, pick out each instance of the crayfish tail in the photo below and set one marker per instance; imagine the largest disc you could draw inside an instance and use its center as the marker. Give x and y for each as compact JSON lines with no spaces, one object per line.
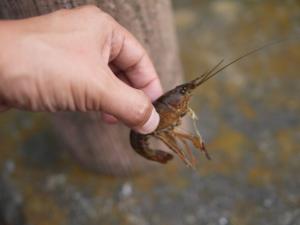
{"x":161,"y":156}
{"x":139,"y":142}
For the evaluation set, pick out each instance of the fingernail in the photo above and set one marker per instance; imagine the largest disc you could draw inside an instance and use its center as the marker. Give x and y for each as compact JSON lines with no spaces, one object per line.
{"x":151,"y":124}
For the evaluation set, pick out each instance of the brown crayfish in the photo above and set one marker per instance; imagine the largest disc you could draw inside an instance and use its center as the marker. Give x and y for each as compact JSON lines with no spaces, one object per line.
{"x":172,"y":106}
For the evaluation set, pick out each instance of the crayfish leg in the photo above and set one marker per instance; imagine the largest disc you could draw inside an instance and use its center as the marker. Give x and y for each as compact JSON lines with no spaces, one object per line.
{"x":196,"y":140}
{"x":200,"y":145}
{"x":170,"y":141}
{"x":189,"y":151}
{"x":192,"y":114}
{"x":194,"y":117}
{"x":190,"y":159}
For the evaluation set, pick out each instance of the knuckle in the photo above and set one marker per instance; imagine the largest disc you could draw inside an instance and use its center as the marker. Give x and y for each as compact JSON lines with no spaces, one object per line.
{"x":82,"y":13}
{"x":95,"y":12}
{"x":89,"y":13}
{"x":93,"y":15}
{"x":90,"y":9}
{"x":107,"y":19}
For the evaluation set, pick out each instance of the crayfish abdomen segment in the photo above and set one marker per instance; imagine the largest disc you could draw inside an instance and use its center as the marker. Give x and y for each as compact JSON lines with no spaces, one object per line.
{"x":139,"y":143}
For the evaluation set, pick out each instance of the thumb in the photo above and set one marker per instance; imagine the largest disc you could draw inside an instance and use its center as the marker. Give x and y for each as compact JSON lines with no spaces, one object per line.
{"x":130,"y":105}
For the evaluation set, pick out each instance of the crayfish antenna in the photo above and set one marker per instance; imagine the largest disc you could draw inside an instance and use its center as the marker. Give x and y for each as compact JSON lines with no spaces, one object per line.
{"x":204,"y":77}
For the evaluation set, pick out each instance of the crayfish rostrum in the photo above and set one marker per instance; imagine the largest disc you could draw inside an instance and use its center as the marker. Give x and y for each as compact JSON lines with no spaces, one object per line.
{"x":172,"y":106}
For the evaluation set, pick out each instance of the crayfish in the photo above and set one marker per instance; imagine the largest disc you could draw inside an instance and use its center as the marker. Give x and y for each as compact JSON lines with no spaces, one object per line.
{"x":172,"y":106}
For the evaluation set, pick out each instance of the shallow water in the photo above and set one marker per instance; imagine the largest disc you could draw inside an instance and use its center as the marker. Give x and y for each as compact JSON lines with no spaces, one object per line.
{"x":248,"y":114}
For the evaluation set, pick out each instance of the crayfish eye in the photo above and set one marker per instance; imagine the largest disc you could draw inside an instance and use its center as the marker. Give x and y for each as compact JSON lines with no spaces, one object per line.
{"x":183,"y":90}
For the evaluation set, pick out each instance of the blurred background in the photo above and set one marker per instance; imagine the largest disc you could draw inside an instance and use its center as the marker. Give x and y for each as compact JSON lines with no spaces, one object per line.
{"x":248,"y":115}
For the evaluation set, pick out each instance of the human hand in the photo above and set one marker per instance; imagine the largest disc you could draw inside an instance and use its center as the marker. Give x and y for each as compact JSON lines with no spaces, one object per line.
{"x":77,"y":60}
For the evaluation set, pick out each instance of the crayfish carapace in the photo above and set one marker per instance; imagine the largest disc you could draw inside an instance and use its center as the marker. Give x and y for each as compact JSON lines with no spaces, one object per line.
{"x":172,"y":106}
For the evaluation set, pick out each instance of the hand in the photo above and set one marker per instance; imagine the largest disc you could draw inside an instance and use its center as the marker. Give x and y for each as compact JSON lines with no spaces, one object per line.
{"x":77,"y":60}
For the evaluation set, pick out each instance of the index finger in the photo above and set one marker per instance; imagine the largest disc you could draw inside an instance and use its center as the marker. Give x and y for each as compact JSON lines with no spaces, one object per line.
{"x":132,"y":59}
